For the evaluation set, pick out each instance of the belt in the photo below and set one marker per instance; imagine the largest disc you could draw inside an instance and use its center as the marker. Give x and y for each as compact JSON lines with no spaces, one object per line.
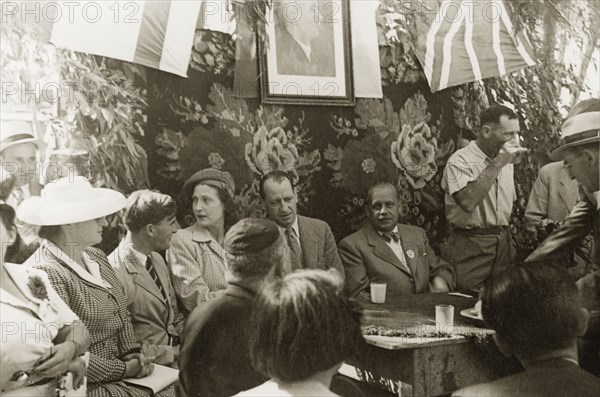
{"x":483,"y":231}
{"x":173,"y":340}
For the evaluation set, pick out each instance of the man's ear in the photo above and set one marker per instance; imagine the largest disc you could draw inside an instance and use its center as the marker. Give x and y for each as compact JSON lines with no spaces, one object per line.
{"x":486,"y":131}
{"x":149,"y":229}
{"x":502,"y":346}
{"x":582,"y":320}
{"x":591,"y":156}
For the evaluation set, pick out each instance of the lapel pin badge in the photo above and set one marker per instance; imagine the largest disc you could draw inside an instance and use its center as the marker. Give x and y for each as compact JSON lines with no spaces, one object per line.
{"x":410,"y":253}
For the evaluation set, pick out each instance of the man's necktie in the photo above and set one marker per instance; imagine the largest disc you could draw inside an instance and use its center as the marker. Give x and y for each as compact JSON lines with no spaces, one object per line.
{"x":296,"y":254}
{"x":154,"y":275}
{"x":391,"y":236}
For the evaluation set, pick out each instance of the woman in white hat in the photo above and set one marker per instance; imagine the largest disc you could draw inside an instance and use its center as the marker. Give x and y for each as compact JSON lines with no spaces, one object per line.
{"x":71,"y":214}
{"x":41,"y":337}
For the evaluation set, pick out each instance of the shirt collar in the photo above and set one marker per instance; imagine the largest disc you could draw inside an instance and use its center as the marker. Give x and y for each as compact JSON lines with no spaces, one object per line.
{"x":395,"y":230}
{"x":139,"y":256}
{"x":306,"y":48}
{"x":92,"y":271}
{"x":477,"y":150}
{"x":294,"y":226}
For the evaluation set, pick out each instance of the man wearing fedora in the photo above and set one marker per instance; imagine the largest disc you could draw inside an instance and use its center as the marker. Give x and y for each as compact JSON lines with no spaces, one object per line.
{"x":580,"y":151}
{"x":19,"y":156}
{"x":144,"y":276}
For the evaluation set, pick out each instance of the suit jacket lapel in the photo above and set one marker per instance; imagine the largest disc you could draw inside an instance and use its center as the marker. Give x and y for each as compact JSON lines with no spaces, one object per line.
{"x":163,"y":275}
{"x":405,"y":240}
{"x":382,"y":250}
{"x":141,"y":278}
{"x":568,"y":196}
{"x":307,"y":242}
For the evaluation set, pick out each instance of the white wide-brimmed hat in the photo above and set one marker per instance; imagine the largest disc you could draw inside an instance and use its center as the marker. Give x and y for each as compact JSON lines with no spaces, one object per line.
{"x":578,"y":130}
{"x":17,"y":132}
{"x":70,"y":200}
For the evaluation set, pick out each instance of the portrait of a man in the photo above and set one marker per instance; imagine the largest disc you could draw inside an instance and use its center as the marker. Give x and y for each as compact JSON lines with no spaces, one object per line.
{"x":304,"y":38}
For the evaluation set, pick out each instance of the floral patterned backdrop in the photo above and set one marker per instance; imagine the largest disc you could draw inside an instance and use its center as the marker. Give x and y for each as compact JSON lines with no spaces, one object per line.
{"x":335,"y":154}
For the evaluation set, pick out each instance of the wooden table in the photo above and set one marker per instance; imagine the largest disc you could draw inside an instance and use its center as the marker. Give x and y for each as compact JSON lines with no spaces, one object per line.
{"x":427,"y":366}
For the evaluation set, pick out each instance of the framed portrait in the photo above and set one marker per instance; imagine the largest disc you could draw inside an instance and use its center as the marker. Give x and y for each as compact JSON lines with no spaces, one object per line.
{"x":306,"y":59}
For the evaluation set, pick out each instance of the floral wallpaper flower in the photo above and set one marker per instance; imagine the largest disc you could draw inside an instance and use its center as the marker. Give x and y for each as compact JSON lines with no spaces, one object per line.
{"x":414,"y":153}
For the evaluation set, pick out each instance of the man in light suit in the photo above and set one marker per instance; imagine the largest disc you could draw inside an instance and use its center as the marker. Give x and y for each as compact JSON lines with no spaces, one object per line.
{"x":143,"y":274}
{"x":580,"y":151}
{"x":552,"y":197}
{"x":389,"y":252}
{"x":537,"y":315}
{"x":311,"y":242}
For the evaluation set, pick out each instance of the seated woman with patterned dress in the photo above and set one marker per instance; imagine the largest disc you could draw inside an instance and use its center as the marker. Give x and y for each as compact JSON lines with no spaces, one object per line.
{"x":72,"y":214}
{"x":42,"y":338}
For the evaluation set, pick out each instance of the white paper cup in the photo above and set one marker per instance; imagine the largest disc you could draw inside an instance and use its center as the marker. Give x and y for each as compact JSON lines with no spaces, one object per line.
{"x":378,"y":292}
{"x":444,"y":318}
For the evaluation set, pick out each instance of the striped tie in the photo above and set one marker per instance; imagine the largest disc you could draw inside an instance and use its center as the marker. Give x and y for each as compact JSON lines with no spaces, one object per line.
{"x":154,"y":275}
{"x":296,"y":252}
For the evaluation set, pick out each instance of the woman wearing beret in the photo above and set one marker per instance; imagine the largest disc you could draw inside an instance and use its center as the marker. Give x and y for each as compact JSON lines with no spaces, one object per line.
{"x":72,"y":214}
{"x":41,"y":337}
{"x":196,"y":256}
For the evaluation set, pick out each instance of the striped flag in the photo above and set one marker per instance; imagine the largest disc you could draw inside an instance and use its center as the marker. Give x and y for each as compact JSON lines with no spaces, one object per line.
{"x":158,"y":34}
{"x":460,"y":41}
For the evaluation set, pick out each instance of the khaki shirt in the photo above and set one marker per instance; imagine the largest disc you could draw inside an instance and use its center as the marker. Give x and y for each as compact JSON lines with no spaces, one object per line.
{"x":465,"y":166}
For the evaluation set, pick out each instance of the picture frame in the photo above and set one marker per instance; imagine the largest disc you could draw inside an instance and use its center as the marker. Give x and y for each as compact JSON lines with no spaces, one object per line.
{"x":306,"y":59}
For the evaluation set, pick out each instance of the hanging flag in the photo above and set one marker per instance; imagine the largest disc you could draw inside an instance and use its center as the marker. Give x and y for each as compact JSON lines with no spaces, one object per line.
{"x":365,"y":49}
{"x":158,"y":34}
{"x":365,"y":53}
{"x":217,"y":15}
{"x":246,"y":83}
{"x":460,"y":41}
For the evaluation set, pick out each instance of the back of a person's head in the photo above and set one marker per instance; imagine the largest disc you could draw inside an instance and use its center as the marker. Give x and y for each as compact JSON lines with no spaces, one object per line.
{"x":253,"y":247}
{"x":145,"y":207}
{"x":303,"y":325}
{"x":533,"y":307}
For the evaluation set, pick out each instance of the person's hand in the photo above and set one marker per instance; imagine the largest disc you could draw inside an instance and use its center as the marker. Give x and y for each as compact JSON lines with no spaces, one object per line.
{"x":55,"y":361}
{"x":137,"y":365}
{"x":509,"y":153}
{"x":438,"y":284}
{"x":78,"y":368}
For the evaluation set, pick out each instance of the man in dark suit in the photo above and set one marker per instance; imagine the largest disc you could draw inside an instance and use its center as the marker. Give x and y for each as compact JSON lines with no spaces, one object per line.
{"x":214,"y":358}
{"x":537,"y":314}
{"x":303,"y":39}
{"x":311,"y":242}
{"x":389,"y":252}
